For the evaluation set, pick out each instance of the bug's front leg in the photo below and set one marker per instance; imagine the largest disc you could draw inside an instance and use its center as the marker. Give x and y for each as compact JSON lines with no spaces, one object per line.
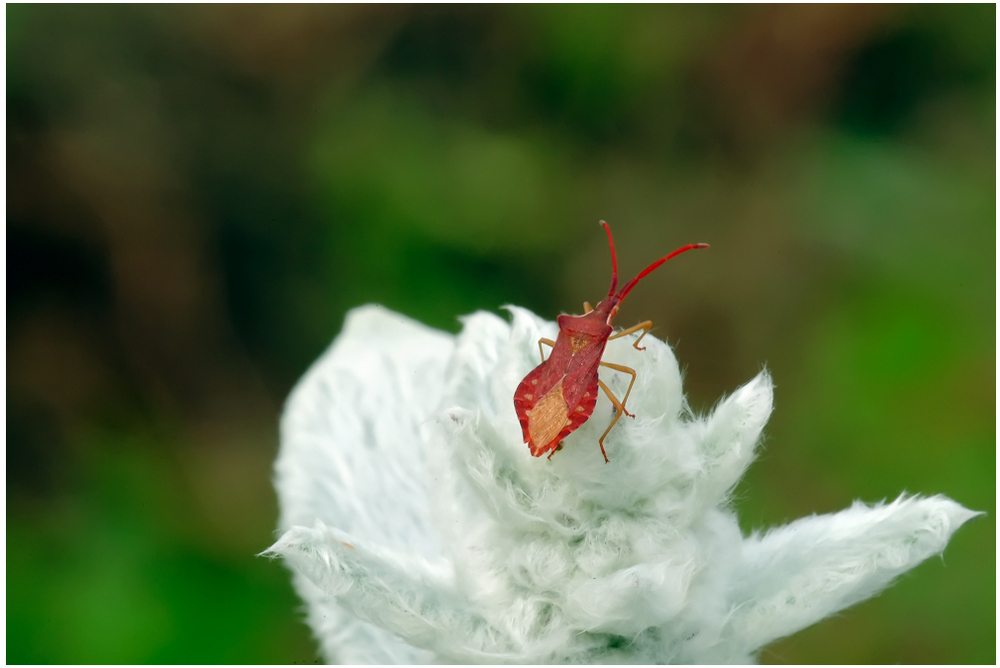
{"x":549,"y":342}
{"x":644,"y":326}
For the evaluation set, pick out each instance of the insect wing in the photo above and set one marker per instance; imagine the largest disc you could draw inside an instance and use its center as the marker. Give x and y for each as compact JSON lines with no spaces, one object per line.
{"x":543,"y":383}
{"x":524,"y":399}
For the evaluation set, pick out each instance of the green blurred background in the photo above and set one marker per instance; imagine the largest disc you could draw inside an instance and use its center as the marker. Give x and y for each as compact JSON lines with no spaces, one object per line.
{"x":196,"y":195}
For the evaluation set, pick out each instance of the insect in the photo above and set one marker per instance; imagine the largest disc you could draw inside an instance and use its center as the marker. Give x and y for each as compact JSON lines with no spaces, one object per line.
{"x":559,"y":395}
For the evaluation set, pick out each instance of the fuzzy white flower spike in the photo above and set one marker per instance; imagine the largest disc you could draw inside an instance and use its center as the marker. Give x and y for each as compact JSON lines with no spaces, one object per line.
{"x":420,"y":529}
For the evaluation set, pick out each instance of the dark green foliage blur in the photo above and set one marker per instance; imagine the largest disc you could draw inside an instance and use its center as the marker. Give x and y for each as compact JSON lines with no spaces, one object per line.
{"x":196,"y":195}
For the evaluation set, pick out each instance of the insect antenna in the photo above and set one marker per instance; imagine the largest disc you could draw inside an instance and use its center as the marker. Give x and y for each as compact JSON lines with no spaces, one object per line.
{"x":645,"y":272}
{"x":614,"y":260}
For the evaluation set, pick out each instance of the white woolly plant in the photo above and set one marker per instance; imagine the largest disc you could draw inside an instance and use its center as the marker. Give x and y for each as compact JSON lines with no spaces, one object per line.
{"x":420,"y":529}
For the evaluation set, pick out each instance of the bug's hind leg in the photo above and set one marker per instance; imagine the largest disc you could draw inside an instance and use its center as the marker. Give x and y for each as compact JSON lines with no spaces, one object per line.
{"x":644,"y":326}
{"x":619,"y":411}
{"x":624,"y":369}
{"x":549,"y":342}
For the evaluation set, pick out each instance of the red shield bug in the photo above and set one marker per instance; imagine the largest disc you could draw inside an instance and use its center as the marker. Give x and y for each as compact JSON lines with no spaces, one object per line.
{"x":559,"y":395}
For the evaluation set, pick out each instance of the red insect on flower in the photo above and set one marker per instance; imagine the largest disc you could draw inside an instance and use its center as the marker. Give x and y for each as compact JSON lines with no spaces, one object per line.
{"x":559,"y":395}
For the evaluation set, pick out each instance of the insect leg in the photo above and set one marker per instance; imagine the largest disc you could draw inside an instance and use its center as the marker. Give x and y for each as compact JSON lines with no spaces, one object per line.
{"x":549,"y":342}
{"x":618,"y":413}
{"x":631,"y":372}
{"x":645,"y":326}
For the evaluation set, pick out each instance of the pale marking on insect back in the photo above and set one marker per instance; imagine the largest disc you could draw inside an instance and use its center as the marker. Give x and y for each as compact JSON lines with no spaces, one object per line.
{"x":529,"y":396}
{"x":548,"y":417}
{"x":578,"y":343}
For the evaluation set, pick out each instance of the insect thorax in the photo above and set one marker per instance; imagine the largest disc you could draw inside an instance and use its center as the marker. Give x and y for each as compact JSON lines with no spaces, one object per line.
{"x":583,"y":330}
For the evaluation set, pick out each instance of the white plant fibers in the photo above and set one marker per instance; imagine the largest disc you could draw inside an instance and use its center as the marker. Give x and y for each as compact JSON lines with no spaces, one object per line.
{"x":419,"y":528}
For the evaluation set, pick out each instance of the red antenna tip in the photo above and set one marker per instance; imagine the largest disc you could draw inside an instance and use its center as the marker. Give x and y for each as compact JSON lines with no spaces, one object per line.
{"x":645,"y":272}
